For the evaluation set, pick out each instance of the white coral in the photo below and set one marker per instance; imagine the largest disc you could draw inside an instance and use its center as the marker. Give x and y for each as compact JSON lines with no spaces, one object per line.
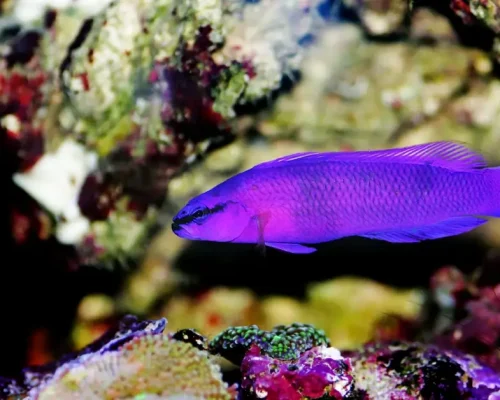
{"x":96,"y":83}
{"x":55,"y":182}
{"x":268,"y":35}
{"x":28,"y":11}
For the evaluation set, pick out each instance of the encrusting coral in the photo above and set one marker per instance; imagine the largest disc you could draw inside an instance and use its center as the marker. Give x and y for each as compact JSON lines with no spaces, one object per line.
{"x":143,"y":88}
{"x":139,"y":359}
{"x":150,"y":364}
{"x":135,"y":358}
{"x":282,"y":342}
{"x":467,"y":315}
{"x":320,"y":372}
{"x":416,"y":371}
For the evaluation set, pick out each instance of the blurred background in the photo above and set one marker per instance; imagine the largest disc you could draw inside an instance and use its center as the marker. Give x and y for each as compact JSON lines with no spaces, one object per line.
{"x":113,"y":116}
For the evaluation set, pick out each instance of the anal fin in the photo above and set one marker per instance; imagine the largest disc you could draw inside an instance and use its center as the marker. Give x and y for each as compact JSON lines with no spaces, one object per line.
{"x":292,"y":248}
{"x":450,"y":227}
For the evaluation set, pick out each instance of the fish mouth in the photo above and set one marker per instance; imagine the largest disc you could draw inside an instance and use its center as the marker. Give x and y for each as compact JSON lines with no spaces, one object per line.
{"x":179,"y":230}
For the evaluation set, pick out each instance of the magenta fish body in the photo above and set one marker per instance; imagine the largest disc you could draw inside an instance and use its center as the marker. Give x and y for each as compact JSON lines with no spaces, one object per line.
{"x":399,"y":195}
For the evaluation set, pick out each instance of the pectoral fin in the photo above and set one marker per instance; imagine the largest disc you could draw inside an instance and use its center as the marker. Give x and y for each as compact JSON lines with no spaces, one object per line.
{"x":261,"y":221}
{"x":292,"y":248}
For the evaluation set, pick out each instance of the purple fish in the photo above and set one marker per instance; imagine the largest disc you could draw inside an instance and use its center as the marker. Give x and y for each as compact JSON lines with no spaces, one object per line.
{"x":408,"y":194}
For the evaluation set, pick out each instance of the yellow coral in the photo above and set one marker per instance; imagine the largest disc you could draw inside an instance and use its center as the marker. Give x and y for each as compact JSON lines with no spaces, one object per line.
{"x":351,"y":306}
{"x":153,"y":365}
{"x":214,"y":311}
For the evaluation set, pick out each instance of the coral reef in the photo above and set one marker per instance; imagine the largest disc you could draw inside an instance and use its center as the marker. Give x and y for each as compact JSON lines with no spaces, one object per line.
{"x":143,"y":106}
{"x":414,"y":371}
{"x":484,"y":12}
{"x":317,"y":373}
{"x":470,"y":316}
{"x":135,"y":358}
{"x":114,"y":114}
{"x":142,"y":86}
{"x":125,"y":330}
{"x":460,"y":313}
{"x":22,"y":81}
{"x":341,"y":317}
{"x":148,"y":365}
{"x":212,"y":311}
{"x":327,"y":305}
{"x":138,"y":358}
{"x":369,"y":94}
{"x":382,"y":371}
{"x":282,"y":342}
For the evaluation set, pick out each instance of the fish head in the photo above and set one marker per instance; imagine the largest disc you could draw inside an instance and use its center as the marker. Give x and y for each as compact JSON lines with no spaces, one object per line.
{"x":216,"y":221}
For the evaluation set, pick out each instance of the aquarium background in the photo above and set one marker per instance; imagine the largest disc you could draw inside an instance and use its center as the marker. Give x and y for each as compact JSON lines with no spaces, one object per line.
{"x":112,"y":116}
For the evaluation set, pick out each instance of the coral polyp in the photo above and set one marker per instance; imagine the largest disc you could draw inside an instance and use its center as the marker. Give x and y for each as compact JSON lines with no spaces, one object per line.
{"x":283,"y":342}
{"x":319,"y":373}
{"x":150,"y":364}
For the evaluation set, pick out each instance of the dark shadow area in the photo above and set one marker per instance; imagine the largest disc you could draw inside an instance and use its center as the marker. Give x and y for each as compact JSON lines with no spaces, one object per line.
{"x":474,"y":34}
{"x":276,"y":272}
{"x":39,"y":286}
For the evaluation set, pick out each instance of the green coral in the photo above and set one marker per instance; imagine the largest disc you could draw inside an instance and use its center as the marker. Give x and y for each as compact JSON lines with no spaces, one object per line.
{"x":195,"y":14}
{"x":232,"y":84}
{"x":100,"y":76}
{"x":122,"y":235}
{"x":104,"y":74}
{"x":150,"y":366}
{"x":109,"y":72}
{"x":283,"y":342}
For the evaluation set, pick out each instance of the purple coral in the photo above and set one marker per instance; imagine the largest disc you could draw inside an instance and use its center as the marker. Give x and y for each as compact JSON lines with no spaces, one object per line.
{"x":318,"y":373}
{"x":292,"y":362}
{"x":471,"y":314}
{"x":411,"y":370}
{"x":295,"y":363}
{"x":22,"y":84}
{"x":187,"y":108}
{"x":10,"y":387}
{"x":22,"y":79}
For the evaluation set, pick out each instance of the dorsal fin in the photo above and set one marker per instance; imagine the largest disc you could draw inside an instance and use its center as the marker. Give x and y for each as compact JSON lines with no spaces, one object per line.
{"x":450,"y":155}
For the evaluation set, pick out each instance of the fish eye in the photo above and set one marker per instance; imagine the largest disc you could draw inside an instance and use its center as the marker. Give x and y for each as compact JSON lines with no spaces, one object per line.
{"x":198,"y":214}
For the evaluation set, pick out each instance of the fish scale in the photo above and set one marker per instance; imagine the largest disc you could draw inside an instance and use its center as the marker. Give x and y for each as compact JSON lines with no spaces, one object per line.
{"x":340,"y":198}
{"x":399,"y":195}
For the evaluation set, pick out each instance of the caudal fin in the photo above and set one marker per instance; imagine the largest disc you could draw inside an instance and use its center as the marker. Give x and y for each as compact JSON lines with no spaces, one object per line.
{"x":494,"y":208}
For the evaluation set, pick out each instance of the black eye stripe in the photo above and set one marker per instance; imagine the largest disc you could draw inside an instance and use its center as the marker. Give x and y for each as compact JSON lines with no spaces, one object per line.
{"x":199,"y":213}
